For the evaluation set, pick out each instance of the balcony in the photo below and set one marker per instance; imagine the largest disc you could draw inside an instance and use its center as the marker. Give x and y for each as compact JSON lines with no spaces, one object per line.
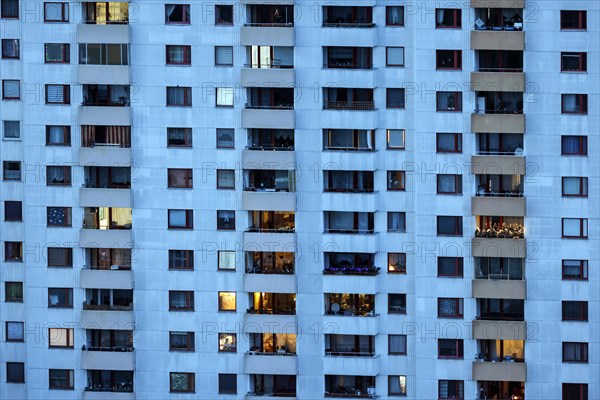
{"x":498,"y":81}
{"x":107,"y":360}
{"x":97,"y":394}
{"x":270,"y":241}
{"x":267,"y":77}
{"x":498,"y":3}
{"x":275,"y":323}
{"x":499,"y":289}
{"x":270,"y":140}
{"x":360,"y":58}
{"x":347,"y":17}
{"x":498,"y":165}
{"x":348,"y":201}
{"x":353,"y":325}
{"x":499,"y":330}
{"x":499,"y":247}
{"x":105,"y":155}
{"x":499,"y":371}
{"x":351,"y":364}
{"x":271,"y":200}
{"x":273,"y":363}
{"x":508,"y":206}
{"x":106,"y":279}
{"x":493,"y":123}
{"x":268,"y":118}
{"x":104,"y":74}
{"x":368,"y":284}
{"x":109,"y":33}
{"x":109,"y":383}
{"x":275,"y":35}
{"x":497,"y":40}
{"x":104,"y":115}
{"x":97,"y":197}
{"x":350,"y":99}
{"x":350,"y":386}
{"x":102,"y":319}
{"x":272,"y":283}
{"x":273,"y":387}
{"x":268,"y":160}
{"x":105,"y":238}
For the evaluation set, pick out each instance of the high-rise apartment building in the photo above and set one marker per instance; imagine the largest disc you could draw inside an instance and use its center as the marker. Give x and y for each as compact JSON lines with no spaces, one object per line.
{"x":300,"y":199}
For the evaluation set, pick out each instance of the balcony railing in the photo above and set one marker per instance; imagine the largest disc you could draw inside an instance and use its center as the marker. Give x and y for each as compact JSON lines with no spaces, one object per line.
{"x":270,"y":24}
{"x":281,"y":311}
{"x":483,"y":69}
{"x":351,"y":270}
{"x":278,"y":352}
{"x":499,"y":193}
{"x":107,"y":268}
{"x":107,"y":307}
{"x":495,"y":316}
{"x":508,"y":231}
{"x":334,"y":24}
{"x":120,"y":388}
{"x":128,"y":348}
{"x":351,"y":231}
{"x":275,"y":64}
{"x":287,"y":269}
{"x":350,"y":353}
{"x":350,"y":105}
{"x":270,"y":107}
{"x":270,"y":147}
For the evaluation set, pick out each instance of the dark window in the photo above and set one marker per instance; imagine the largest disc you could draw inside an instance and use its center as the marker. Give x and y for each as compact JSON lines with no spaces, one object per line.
{"x":180,"y":300}
{"x":15,"y":331}
{"x":10,"y":48}
{"x":225,"y":179}
{"x":575,"y":269}
{"x":60,"y":379}
{"x":449,"y":101}
{"x":181,"y":259}
{"x":179,"y":137}
{"x":58,"y":176}
{"x":573,"y":19}
{"x":179,"y":55}
{"x":395,"y":98}
{"x":15,"y":371}
{"x":574,"y":391}
{"x":397,"y":344}
{"x":57,"y":53}
{"x":573,"y":62}
{"x":58,"y":135}
{"x":180,"y":178}
{"x":13,"y":251}
{"x":574,"y":146}
{"x":394,"y":16}
{"x":12,"y":170}
{"x":56,"y":12}
{"x":448,"y":142}
{"x":12,"y":129}
{"x":574,"y":310}
{"x":60,"y":257}
{"x":60,"y":297}
{"x":396,"y":221}
{"x":397,"y":385}
{"x":449,"y":226}
{"x":450,"y":266}
{"x":574,"y":186}
{"x":396,"y":303}
{"x":574,"y":103}
{"x":575,"y":352}
{"x":397,"y":263}
{"x":448,"y":18}
{"x":449,"y":184}
{"x":182,"y":341}
{"x":450,"y":308}
{"x":227,"y":384}
{"x":11,"y":89}
{"x":449,"y":389}
{"x":223,"y":15}
{"x":179,"y":96}
{"x":13,"y":211}
{"x":450,"y":348}
{"x":448,"y":59}
{"x":226,"y":220}
{"x":13,"y":291}
{"x":177,"y":14}
{"x":183,"y":382}
{"x":225,"y":138}
{"x":58,"y":216}
{"x":58,"y":94}
{"x":9,"y":9}
{"x":181,"y":219}
{"x":396,"y":180}
{"x":576,"y":228}
{"x":227,"y":342}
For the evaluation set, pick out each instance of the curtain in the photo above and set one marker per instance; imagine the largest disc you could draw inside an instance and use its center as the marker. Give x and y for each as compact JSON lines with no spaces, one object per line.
{"x":10,"y":47}
{"x":341,"y":179}
{"x":55,"y":93}
{"x":447,"y":183}
{"x":175,"y":96}
{"x":120,"y":175}
{"x":512,"y":142}
{"x":55,"y":174}
{"x":363,"y":222}
{"x":570,"y":144}
{"x":339,"y":220}
{"x":570,"y":103}
{"x":176,"y":54}
{"x":122,"y":216}
{"x":446,"y":141}
{"x":440,"y":16}
{"x":225,"y":179}
{"x":449,"y":307}
{"x":397,"y":221}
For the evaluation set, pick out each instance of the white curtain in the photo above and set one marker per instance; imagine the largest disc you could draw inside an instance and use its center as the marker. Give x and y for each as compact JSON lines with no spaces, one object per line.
{"x":570,"y":103}
{"x":446,"y":141}
{"x":396,"y":221}
{"x":447,"y":183}
{"x":339,"y":220}
{"x":176,"y":96}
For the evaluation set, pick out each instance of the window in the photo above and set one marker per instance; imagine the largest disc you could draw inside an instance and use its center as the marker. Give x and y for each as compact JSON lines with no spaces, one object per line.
{"x":227,"y":301}
{"x":394,"y":98}
{"x":224,"y":56}
{"x":183,"y":382}
{"x":227,"y":383}
{"x":396,"y":303}
{"x":394,"y":56}
{"x":60,"y":257}
{"x":225,"y":179}
{"x":397,"y":263}
{"x":227,"y":260}
{"x":10,"y":48}
{"x":181,"y":259}
{"x":177,"y":14}
{"x":179,"y":137}
{"x":225,"y":138}
{"x":226,"y":220}
{"x":12,"y":129}
{"x":227,"y":342}
{"x":182,"y":341}
{"x":12,"y":170}
{"x":58,"y":135}
{"x":449,"y":101}
{"x":574,"y":391}
{"x":575,"y":352}
{"x":9,"y":9}
{"x":396,"y":180}
{"x":450,"y":308}
{"x":11,"y":89}
{"x":450,"y":348}
{"x":15,"y":331}
{"x":575,"y":269}
{"x":573,"y":62}
{"x":58,"y":176}
{"x":448,"y":59}
{"x":60,"y":379}
{"x":181,"y":300}
{"x":13,"y":291}
{"x":396,"y":221}
{"x":448,"y":18}
{"x":181,"y":219}
{"x":449,"y":184}
{"x":57,"y":53}
{"x":394,"y":16}
{"x":574,"y":310}
{"x":449,"y":226}
{"x":448,"y":389}
{"x":397,"y":345}
{"x":574,"y":187}
{"x":575,"y":228}
{"x":13,"y":251}
{"x":60,"y":337}
{"x":223,"y":14}
{"x":397,"y":385}
{"x":573,"y":19}
{"x":450,"y":266}
{"x":15,"y":371}
{"x":103,"y":54}
{"x":179,"y":55}
{"x":224,"y":97}
{"x":179,"y":96}
{"x":58,"y":216}
{"x":58,"y":94}
{"x":574,"y":103}
{"x":396,"y":139}
{"x":60,"y":297}
{"x":180,"y":178}
{"x":56,"y":12}
{"x":13,"y":211}
{"x":574,"y":145}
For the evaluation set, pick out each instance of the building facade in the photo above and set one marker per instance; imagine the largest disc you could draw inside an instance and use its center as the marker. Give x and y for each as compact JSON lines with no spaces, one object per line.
{"x":299,"y":199}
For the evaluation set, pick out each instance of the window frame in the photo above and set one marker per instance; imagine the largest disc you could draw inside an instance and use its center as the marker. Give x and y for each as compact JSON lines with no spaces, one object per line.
{"x":9,"y":248}
{"x":582,"y":388}
{"x":185,"y":11}
{"x":68,"y":257}
{"x":65,"y":50}
{"x":225,"y":187}
{"x":187,"y":96}
{"x":5,"y":169}
{"x":387,"y":57}
{"x":64,"y":13}
{"x":457,"y":19}
{"x":66,"y":172}
{"x":8,"y":369}
{"x":227,"y":392}
{"x":583,"y":145}
{"x":457,"y":57}
{"x":459,"y":387}
{"x":7,"y":330}
{"x":457,"y":143}
{"x":191,"y":382}
{"x":69,"y":334}
{"x":583,"y":186}
{"x":583,"y":271}
{"x":583,"y":309}
{"x":6,"y":129}
{"x":458,"y":101}
{"x":457,"y":184}
{"x":188,"y":139}
{"x":15,"y":299}
{"x":402,"y":296}
{"x":220,"y":302}
{"x":190,"y":342}
{"x":17,"y":46}
{"x":582,"y":16}
{"x":222,"y":350}
{"x":401,"y":105}
{"x":189,"y":219}
{"x":582,"y":56}
{"x":69,"y":379}
{"x":583,"y":349}
{"x":402,"y":257}
{"x":583,"y":228}
{"x":68,"y":292}
{"x":390,"y":175}
{"x":221,"y":227}
{"x":458,"y":220}
{"x":220,"y":64}
{"x":402,"y":132}
{"x":66,"y":135}
{"x":583,"y":102}
{"x":189,"y":297}
{"x":404,"y":338}
{"x":221,"y":131}
{"x":399,"y":377}
{"x":187,"y":54}
{"x":6,"y":16}
{"x":19,"y":217}
{"x":217,"y":13}
{"x":459,"y":304}
{"x":387,"y":16}
{"x":459,"y":348}
{"x":188,"y":177}
{"x":459,"y":267}
{"x":66,"y":90}
{"x":189,"y":260}
{"x":68,"y":213}
{"x":5,"y":96}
